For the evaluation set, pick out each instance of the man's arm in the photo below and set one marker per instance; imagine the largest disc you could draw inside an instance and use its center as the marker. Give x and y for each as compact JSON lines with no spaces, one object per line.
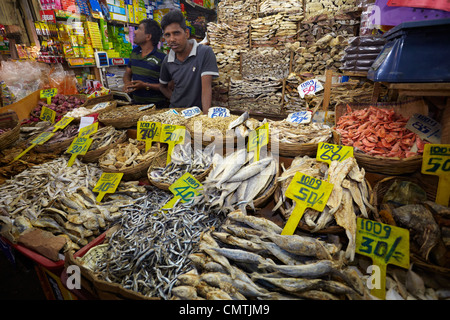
{"x":206,"y":93}
{"x":127,"y":79}
{"x":165,"y":89}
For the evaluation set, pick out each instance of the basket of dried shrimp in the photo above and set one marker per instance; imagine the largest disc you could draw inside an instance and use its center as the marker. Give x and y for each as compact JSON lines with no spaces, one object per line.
{"x":356,"y":185}
{"x":300,"y":139}
{"x":124,"y":116}
{"x":379,"y":135}
{"x":9,"y":129}
{"x":103,"y":140}
{"x":131,"y":159}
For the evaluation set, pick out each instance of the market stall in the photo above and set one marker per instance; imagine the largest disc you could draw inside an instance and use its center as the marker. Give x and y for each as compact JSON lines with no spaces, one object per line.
{"x":305,"y":180}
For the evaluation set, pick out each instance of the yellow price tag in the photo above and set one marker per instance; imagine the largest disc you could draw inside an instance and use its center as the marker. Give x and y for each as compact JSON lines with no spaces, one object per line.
{"x":40,"y":139}
{"x":47,"y":114}
{"x":436,"y":161}
{"x":107,"y":183}
{"x":79,"y":146}
{"x":148,"y":131}
{"x":307,"y":192}
{"x":172,"y":135}
{"x":327,"y":152}
{"x":385,"y":244}
{"x":258,"y":139}
{"x":61,"y":124}
{"x":88,"y":130}
{"x":185,"y":188}
{"x":48,"y":94}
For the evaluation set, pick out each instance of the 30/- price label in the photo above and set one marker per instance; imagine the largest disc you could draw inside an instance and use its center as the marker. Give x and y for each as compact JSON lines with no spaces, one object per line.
{"x":61,"y":124}
{"x":257,"y":139}
{"x":172,"y":135}
{"x":79,"y":146}
{"x":107,"y":183}
{"x":385,"y":244}
{"x":48,"y":94}
{"x":184,"y":190}
{"x":47,"y":114}
{"x":40,"y":139}
{"x":307,"y":192}
{"x":327,"y":152}
{"x":436,"y":161}
{"x":148,"y":131}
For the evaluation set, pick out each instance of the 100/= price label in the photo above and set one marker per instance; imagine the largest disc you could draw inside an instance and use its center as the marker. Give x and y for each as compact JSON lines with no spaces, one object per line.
{"x":327,"y":152}
{"x":436,"y":161}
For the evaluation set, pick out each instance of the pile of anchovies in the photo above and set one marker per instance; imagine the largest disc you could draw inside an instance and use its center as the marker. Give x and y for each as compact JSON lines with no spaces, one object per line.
{"x":151,"y":248}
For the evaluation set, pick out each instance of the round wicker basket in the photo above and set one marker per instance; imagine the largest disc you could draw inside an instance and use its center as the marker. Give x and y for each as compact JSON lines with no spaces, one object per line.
{"x":9,"y":120}
{"x":93,"y":155}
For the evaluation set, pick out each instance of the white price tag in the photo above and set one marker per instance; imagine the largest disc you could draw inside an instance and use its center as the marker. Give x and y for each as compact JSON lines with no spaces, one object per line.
{"x":300,"y":117}
{"x":218,"y":112}
{"x":425,"y":127}
{"x":100,"y":106}
{"x":146,"y":107}
{"x":191,"y":112}
{"x":309,"y":87}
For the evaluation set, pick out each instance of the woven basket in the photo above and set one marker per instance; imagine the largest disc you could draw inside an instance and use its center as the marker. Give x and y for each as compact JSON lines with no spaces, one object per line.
{"x":139,"y":171}
{"x":335,"y":229}
{"x":385,"y":165}
{"x":9,"y":120}
{"x":304,"y":149}
{"x":94,"y":155}
{"x":120,"y":122}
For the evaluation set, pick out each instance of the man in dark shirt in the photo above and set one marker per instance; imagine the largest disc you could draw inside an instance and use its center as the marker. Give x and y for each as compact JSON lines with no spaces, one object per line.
{"x":189,"y":65}
{"x":141,"y":77}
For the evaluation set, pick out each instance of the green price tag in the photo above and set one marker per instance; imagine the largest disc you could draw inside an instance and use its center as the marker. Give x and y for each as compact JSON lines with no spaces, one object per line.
{"x":258,"y":139}
{"x":148,"y":131}
{"x":172,"y":135}
{"x":40,"y":139}
{"x":47,"y":114}
{"x":185,"y":188}
{"x":88,"y":130}
{"x":79,"y":146}
{"x":436,"y":161}
{"x":327,"y":152}
{"x":61,"y":124}
{"x":48,"y":94}
{"x":307,"y":192}
{"x":107,"y":183}
{"x":385,"y":244}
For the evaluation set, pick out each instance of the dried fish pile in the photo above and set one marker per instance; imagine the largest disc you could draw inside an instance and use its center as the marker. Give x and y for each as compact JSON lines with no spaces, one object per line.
{"x":274,"y":30}
{"x":167,"y":117}
{"x":228,"y":36}
{"x":28,"y":131}
{"x":126,"y":155}
{"x":350,"y":196}
{"x":105,"y":136}
{"x":330,"y":8}
{"x":265,"y":64}
{"x":230,"y":11}
{"x":236,"y":181}
{"x":256,"y":96}
{"x":287,"y":132}
{"x":184,"y":159}
{"x":218,"y":127}
{"x":150,"y":249}
{"x":247,"y":258}
{"x":64,"y":135}
{"x":267,"y":7}
{"x":379,"y":132}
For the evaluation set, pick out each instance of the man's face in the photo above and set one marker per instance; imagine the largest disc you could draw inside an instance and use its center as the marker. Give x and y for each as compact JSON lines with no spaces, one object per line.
{"x":140,"y":37}
{"x":176,"y":37}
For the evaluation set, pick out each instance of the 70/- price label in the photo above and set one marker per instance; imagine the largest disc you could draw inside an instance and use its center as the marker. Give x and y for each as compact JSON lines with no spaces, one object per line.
{"x":327,"y":152}
{"x":436,"y":161}
{"x":307,"y":192}
{"x":148,"y":131}
{"x":107,"y":183}
{"x":172,"y":135}
{"x":385,"y":244}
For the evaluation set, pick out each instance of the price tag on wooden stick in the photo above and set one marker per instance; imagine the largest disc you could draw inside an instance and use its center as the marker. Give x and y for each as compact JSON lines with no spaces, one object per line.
{"x":148,"y":131}
{"x":307,"y":192}
{"x":61,"y":124}
{"x":107,"y":183}
{"x":327,"y":152}
{"x":88,"y":130}
{"x":172,"y":135}
{"x":79,"y":146}
{"x":184,"y":189}
{"x":385,"y":244}
{"x":40,"y":139}
{"x":436,"y":161}
{"x":47,"y":114}
{"x":257,"y":139}
{"x":48,"y":94}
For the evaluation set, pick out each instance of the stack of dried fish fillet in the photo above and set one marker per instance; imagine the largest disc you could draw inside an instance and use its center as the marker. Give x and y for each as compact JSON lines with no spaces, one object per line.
{"x":267,"y":7}
{"x":293,"y":133}
{"x":274,"y":30}
{"x":330,"y":7}
{"x":237,"y":180}
{"x":230,"y":11}
{"x":256,"y":96}
{"x":265,"y":63}
{"x":350,"y":196}
{"x":247,"y":258}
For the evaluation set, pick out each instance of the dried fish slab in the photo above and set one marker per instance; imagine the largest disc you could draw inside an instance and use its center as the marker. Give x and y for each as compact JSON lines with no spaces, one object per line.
{"x":264,"y":63}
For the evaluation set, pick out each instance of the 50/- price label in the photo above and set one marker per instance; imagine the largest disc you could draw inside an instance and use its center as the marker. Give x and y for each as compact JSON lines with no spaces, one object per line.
{"x":385,"y":244}
{"x":257,"y":139}
{"x":184,"y":189}
{"x":436,"y":161}
{"x":307,"y":192}
{"x":107,"y":183}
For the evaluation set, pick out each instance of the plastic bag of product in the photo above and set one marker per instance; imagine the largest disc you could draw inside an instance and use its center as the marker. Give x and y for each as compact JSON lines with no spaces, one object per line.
{"x":64,"y":81}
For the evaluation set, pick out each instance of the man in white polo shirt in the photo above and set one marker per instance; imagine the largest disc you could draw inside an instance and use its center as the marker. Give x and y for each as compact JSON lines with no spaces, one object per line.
{"x":191,"y":66}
